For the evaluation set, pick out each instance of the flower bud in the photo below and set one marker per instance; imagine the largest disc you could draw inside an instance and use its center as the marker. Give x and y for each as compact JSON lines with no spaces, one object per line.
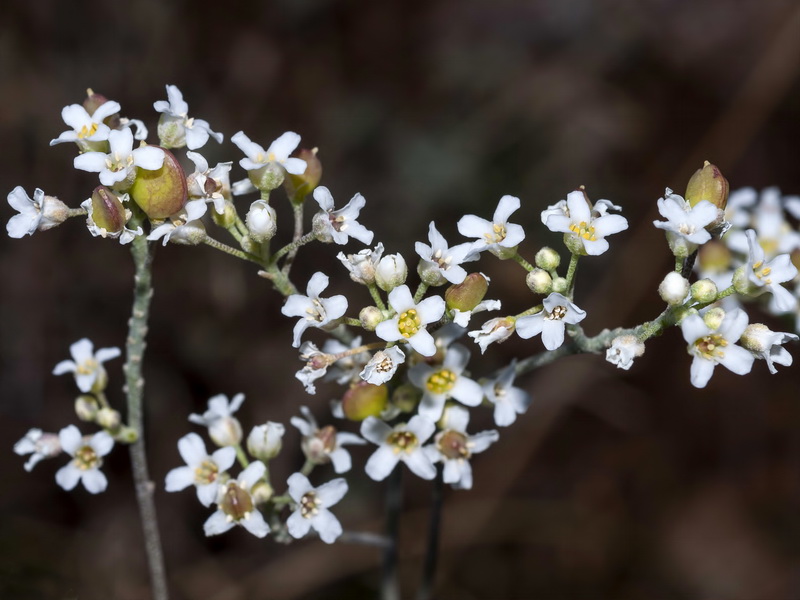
{"x":714,"y":257}
{"x":86,"y":407}
{"x":708,"y":184}
{"x":560,"y":285}
{"x":161,"y":192}
{"x":299,"y":186}
{"x":265,"y":441}
{"x":674,"y":288}
{"x":261,"y":492}
{"x":406,"y":397}
{"x":227,"y":218}
{"x":108,"y":418}
{"x":430,"y":274}
{"x":107,"y":210}
{"x":391,"y":272}
{"x":267,"y":178}
{"x":364,"y":400}
{"x":713,"y":318}
{"x":54,"y":213}
{"x":261,"y":221}
{"x":742,"y":283}
{"x":547,"y":259}
{"x":320,"y":227}
{"x":370,"y":317}
{"x":704,"y":291}
{"x":539,"y":281}
{"x":189,"y":234}
{"x":467,"y":294}
{"x":126,"y":435}
{"x":225,"y":431}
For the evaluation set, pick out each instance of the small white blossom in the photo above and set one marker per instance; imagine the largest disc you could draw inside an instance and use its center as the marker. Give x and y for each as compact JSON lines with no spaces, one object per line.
{"x":325,"y":445}
{"x":120,"y":163}
{"x":278,"y":153}
{"x":265,"y":441}
{"x":766,"y":344}
{"x":685,"y":224}
{"x":40,"y":212}
{"x":181,"y":224}
{"x":498,"y":235}
{"x":509,"y":401}
{"x":176,"y":129}
{"x":202,"y":470}
{"x":86,"y":364}
{"x":312,"y":507}
{"x":39,"y":445}
{"x":362,"y":265}
{"x":445,"y":382}
{"x":86,"y":453}
{"x":453,"y":446}
{"x":494,"y":330}
{"x":624,"y":348}
{"x":402,"y":442}
{"x":315,"y":311}
{"x":223,"y":428}
{"x":442,"y":258}
{"x":463,"y":317}
{"x":588,"y":228}
{"x":770,"y":275}
{"x":86,"y":127}
{"x":209,"y":185}
{"x":775,"y":234}
{"x":382,"y":367}
{"x":317,"y":363}
{"x":551,"y":321}
{"x":410,"y":320}
{"x":339,"y":225}
{"x":235,"y":504}
{"x":711,"y":347}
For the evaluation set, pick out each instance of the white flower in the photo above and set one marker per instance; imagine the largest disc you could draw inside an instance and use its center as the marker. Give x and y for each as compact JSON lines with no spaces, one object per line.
{"x":453,"y":446}
{"x":765,"y":344}
{"x":223,"y":428}
{"x":265,"y":441}
{"x":401,"y":443}
{"x":685,"y":224}
{"x":509,"y":401}
{"x":463,"y":317}
{"x":180,"y":224}
{"x":176,"y":129}
{"x":235,"y":505}
{"x":771,"y":274}
{"x":494,"y":330}
{"x":551,"y":321}
{"x":315,"y":311}
{"x":201,"y":470}
{"x":382,"y":367}
{"x":409,"y":323}
{"x":711,"y":347}
{"x":445,"y":382}
{"x":443,"y":259}
{"x":338,"y":225}
{"x":583,"y":226}
{"x":674,"y":288}
{"x":210,"y":185}
{"x":497,"y":235}
{"x":39,"y":445}
{"x":124,"y":235}
{"x":86,"y":460}
{"x":121,"y":162}
{"x":325,"y":445}
{"x":86,"y":364}
{"x":775,"y":234}
{"x":278,"y":152}
{"x":86,"y":127}
{"x":624,"y":348}
{"x":312,"y":507}
{"x":362,"y":265}
{"x":316,"y":366}
{"x":41,"y":212}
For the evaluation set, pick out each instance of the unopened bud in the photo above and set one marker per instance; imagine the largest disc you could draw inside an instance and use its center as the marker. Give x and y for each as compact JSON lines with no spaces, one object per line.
{"x":267,"y":178}
{"x":107,"y":210}
{"x":161,"y":192}
{"x":674,"y":288}
{"x":547,"y":259}
{"x":704,"y":291}
{"x":54,"y":213}
{"x":539,"y":281}
{"x":364,"y":400}
{"x":406,"y":397}
{"x":713,"y":318}
{"x":265,"y":441}
{"x":86,"y":407}
{"x":430,"y":274}
{"x":467,"y":294}
{"x":190,"y":234}
{"x":708,"y":184}
{"x":299,"y":186}
{"x":108,"y":418}
{"x":261,"y":221}
{"x":714,"y":257}
{"x":261,"y":492}
{"x":742,"y":283}
{"x":560,"y":285}
{"x":370,"y":317}
{"x":391,"y":272}
{"x":126,"y":435}
{"x":228,"y":216}
{"x":225,"y":431}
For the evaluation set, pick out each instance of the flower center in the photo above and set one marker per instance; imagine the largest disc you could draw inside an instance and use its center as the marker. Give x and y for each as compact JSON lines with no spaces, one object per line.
{"x":86,"y":367}
{"x":499,"y":391}
{"x":309,"y":505}
{"x":236,"y":503}
{"x":686,"y":229}
{"x":409,"y":323}
{"x":87,"y":131}
{"x":583,"y":230}
{"x":498,"y":234}
{"x":86,"y":458}
{"x":206,"y":473}
{"x":316,"y":312}
{"x":440,"y":259}
{"x":339,"y":223}
{"x":453,"y":444}
{"x":117,"y":163}
{"x":559,"y":312}
{"x":762,"y":272}
{"x":441,"y":382}
{"x":402,"y":441}
{"x":711,"y":346}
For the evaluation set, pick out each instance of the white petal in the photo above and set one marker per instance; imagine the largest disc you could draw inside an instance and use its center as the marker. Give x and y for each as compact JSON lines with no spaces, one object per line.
{"x":421,"y":427}
{"x":473,"y":226}
{"x":295,"y":166}
{"x":65,"y":366}
{"x":467,"y":391}
{"x":207,"y":494}
{"x":217,"y":523}
{"x":552,"y":334}
{"x":102,"y":443}
{"x":330,"y":493}
{"x":341,"y":460}
{"x":192,"y":449}
{"x":284,"y":145}
{"x":701,"y":371}
{"x":506,"y":206}
{"x":148,"y":157}
{"x":299,"y":485}
{"x":298,"y":525}
{"x":422,"y":342}
{"x":70,"y":438}
{"x":401,"y":300}
{"x":255,"y":524}
{"x":420,"y":464}
{"x":94,"y":481}
{"x":431,"y":406}
{"x":737,"y":359}
{"x":224,"y":458}
{"x":94,"y":162}
{"x":481,"y":441}
{"x":693,"y":328}
{"x":375,"y":430}
{"x":179,"y":479}
{"x":106,"y":354}
{"x":252,"y":474}
{"x":68,"y":476}
{"x":504,"y":414}
{"x":381,"y":463}
{"x":327,"y":525}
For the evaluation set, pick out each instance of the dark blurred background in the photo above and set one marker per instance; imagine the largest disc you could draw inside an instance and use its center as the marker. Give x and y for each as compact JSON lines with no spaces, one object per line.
{"x":614,"y":484}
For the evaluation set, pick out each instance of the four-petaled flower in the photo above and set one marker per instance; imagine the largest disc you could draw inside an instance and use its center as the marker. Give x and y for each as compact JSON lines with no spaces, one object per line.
{"x":766,"y":344}
{"x":86,"y":127}
{"x":770,"y":275}
{"x":86,"y":453}
{"x":498,"y":235}
{"x":315,"y":311}
{"x":339,"y":225}
{"x":210,"y":185}
{"x":40,"y":212}
{"x":685,"y":224}
{"x":509,"y":401}
{"x":39,"y":445}
{"x":551,"y":321}
{"x":312,"y":507}
{"x":176,"y":129}
{"x":201,"y":470}
{"x":403,"y":443}
{"x":278,"y":152}
{"x":443,"y":259}
{"x":181,"y":223}
{"x":441,"y":383}
{"x":120,"y":163}
{"x":587,"y":227}
{"x":383,"y":365}
{"x":712,"y":347}
{"x":86,"y":364}
{"x":325,"y":445}
{"x":223,"y":428}
{"x":410,"y":320}
{"x":236,"y":506}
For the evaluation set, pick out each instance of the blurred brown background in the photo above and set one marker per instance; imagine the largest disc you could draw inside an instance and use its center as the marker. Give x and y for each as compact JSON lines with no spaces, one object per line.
{"x":614,"y":485}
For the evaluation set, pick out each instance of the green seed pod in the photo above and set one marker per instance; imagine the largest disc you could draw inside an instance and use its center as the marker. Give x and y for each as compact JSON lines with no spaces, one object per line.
{"x":162,"y":192}
{"x":708,"y":184}
{"x":467,"y":294}
{"x":364,"y":400}
{"x":299,"y":186}
{"x":107,"y":210}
